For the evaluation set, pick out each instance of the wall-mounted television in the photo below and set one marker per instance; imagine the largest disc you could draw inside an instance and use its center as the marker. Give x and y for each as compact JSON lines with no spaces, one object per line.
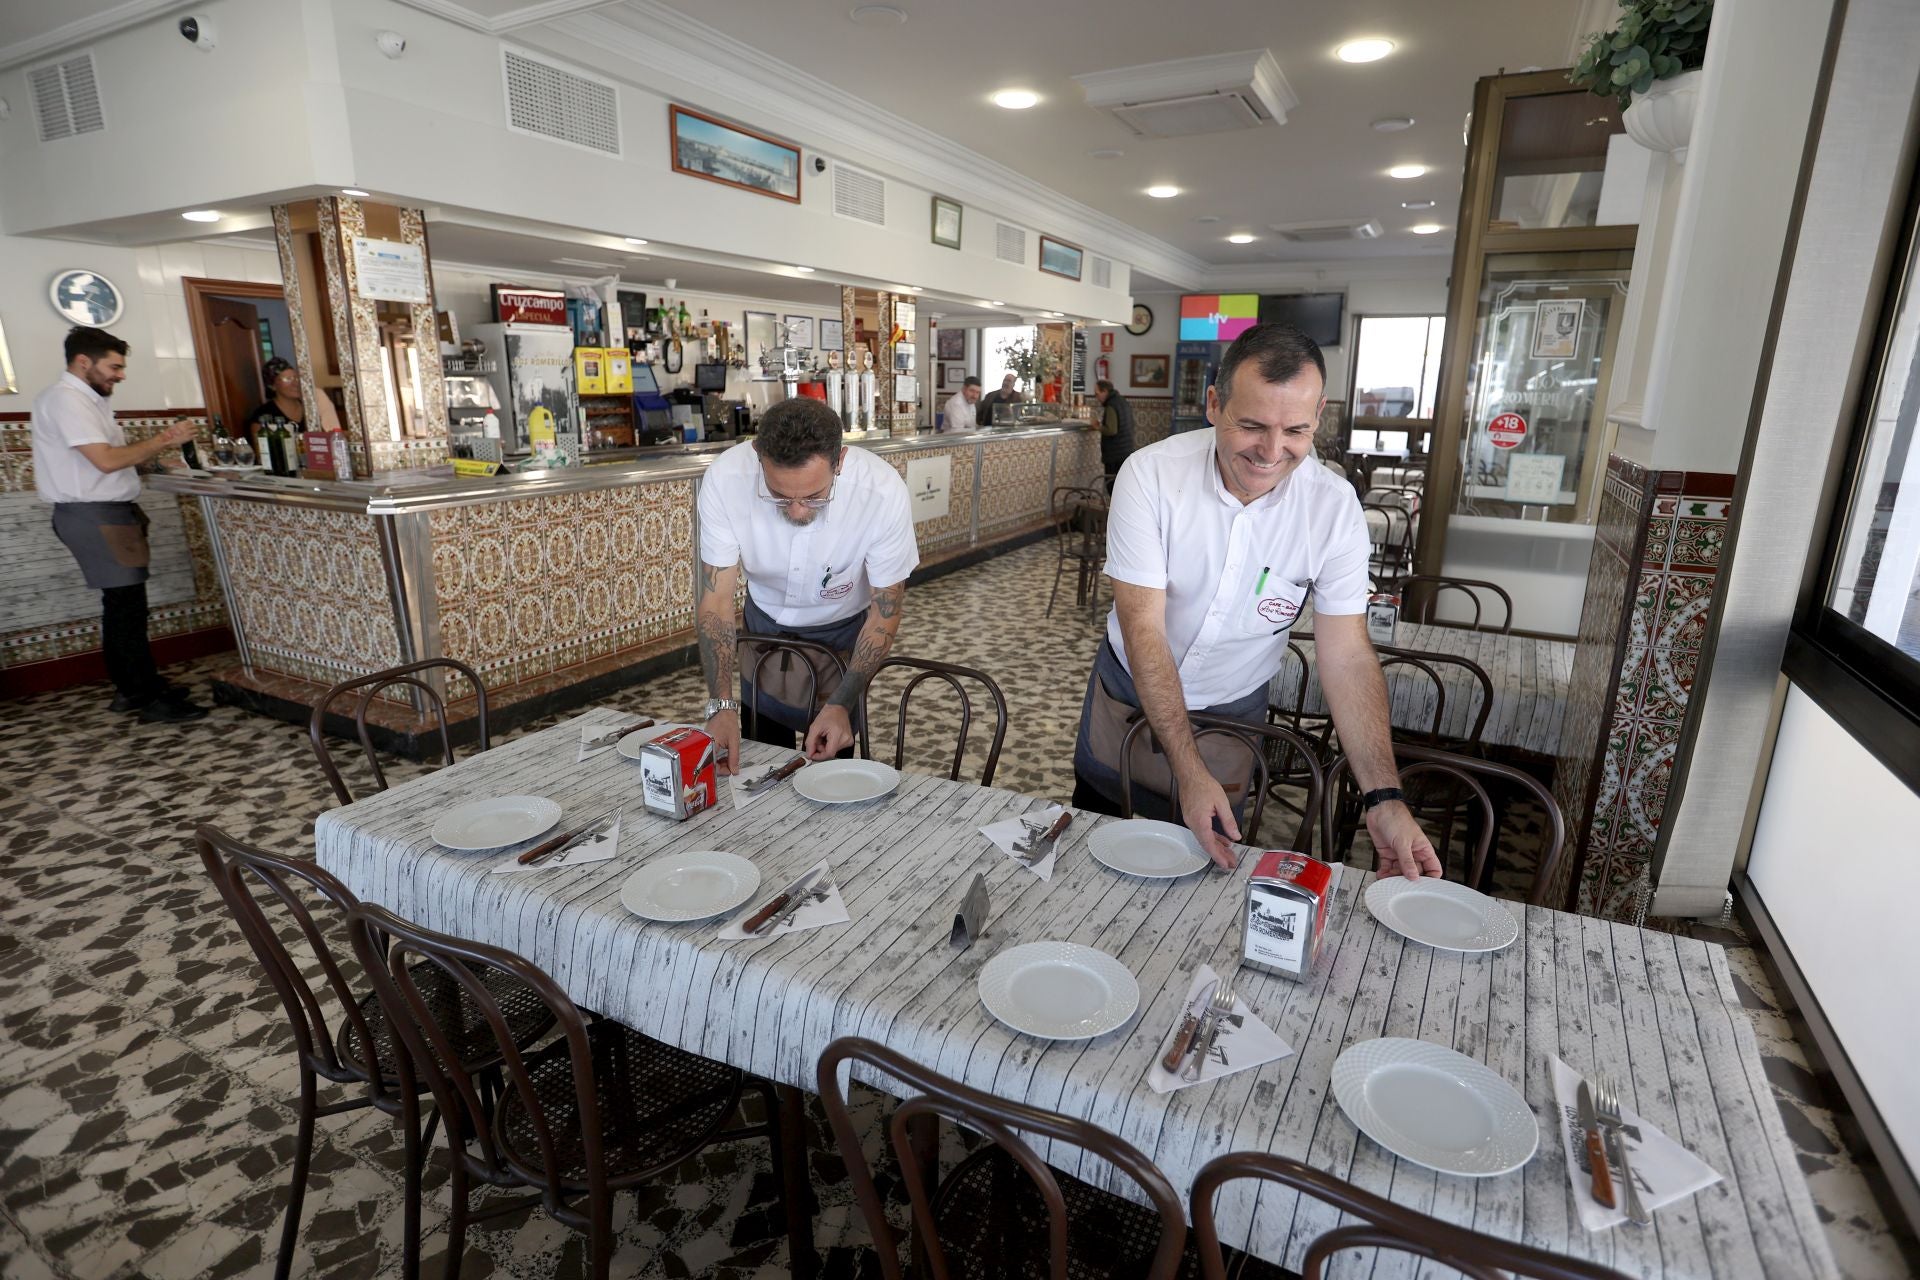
{"x":1318,"y":315}
{"x":1217,"y":317}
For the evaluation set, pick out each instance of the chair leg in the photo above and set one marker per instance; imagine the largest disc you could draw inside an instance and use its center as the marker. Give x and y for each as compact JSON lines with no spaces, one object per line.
{"x":1059,"y":567}
{"x":416,"y":1148}
{"x":600,"y":1238}
{"x":457,"y":1209}
{"x":796,"y":1194}
{"x":302,"y":1157}
{"x":923,"y":1140}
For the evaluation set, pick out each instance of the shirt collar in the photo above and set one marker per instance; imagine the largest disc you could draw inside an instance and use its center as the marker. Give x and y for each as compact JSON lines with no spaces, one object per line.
{"x":68,"y":376}
{"x":1272,"y":497}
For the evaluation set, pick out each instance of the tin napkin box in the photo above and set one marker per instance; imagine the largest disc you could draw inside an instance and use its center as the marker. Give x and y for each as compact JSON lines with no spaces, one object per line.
{"x":677,"y":773}
{"x":1383,"y":617}
{"x":1286,"y":913}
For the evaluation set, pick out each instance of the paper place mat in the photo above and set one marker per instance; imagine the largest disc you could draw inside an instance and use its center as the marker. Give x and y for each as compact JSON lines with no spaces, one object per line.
{"x":1244,"y":1041}
{"x":1664,"y":1170}
{"x":599,"y":849}
{"x":1006,"y":831}
{"x":603,"y":720}
{"x":823,"y":906}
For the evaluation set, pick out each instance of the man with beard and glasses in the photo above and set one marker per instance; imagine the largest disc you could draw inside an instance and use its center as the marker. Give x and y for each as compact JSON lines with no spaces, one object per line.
{"x":1215,"y":541}
{"x":84,"y":467}
{"x":825,"y":534}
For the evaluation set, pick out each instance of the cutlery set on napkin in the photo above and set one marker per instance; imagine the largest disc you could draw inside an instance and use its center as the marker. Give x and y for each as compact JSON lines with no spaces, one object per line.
{"x":1032,"y":840}
{"x":1621,"y":1167}
{"x":811,"y":902}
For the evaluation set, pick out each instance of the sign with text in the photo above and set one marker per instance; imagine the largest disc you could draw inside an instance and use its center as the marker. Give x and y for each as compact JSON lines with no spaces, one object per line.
{"x":390,"y":271}
{"x":1507,"y":430}
{"x":529,"y":306}
{"x":930,"y":485}
{"x":1535,"y":478}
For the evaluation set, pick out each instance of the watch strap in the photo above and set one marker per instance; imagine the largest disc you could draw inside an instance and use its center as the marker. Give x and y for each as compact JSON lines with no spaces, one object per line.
{"x":1381,"y":795}
{"x":716,"y":705}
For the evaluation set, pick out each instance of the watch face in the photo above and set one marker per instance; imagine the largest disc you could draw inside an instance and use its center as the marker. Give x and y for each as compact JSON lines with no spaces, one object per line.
{"x":1142,"y":319}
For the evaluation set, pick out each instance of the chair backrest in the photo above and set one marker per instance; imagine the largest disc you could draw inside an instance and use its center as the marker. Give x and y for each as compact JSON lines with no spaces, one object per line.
{"x":953,"y":675}
{"x":241,"y":872}
{"x":1435,"y":667}
{"x":1287,"y":691}
{"x":1265,"y":744}
{"x":814,"y":657}
{"x":1419,"y":605}
{"x":433,"y":701}
{"x":996,"y":1119}
{"x":1079,"y":515}
{"x":1395,"y":529}
{"x":1469,"y":774}
{"x":395,"y":952}
{"x":1402,"y":496}
{"x":1383,"y":1225}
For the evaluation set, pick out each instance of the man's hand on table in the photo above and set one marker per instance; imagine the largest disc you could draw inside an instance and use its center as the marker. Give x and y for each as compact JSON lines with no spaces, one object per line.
{"x":1404,"y":848}
{"x":830,"y":733}
{"x":724,"y":728}
{"x":1202,"y":802}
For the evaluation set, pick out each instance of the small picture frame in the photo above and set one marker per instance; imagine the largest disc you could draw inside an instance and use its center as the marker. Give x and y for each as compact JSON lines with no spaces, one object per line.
{"x":953,"y":377}
{"x":799,"y":332}
{"x":704,"y":146}
{"x":1058,"y":258}
{"x":830,"y":334}
{"x":946,"y":222}
{"x":951,"y":344}
{"x":1150,"y":372}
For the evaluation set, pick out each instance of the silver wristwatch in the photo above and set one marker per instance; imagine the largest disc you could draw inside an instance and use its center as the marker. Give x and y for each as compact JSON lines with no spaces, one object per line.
{"x":716,"y":705}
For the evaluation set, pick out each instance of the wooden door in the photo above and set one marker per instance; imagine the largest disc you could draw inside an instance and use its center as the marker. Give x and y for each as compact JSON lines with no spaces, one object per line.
{"x":230,"y":372}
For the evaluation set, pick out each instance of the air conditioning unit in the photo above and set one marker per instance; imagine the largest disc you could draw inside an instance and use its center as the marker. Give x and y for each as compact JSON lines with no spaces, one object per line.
{"x":1325,"y":232}
{"x":1214,"y":93}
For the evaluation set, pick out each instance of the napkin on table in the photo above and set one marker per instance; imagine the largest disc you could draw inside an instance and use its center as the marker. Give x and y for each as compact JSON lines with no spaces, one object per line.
{"x":1664,"y":1170}
{"x":743,"y":797}
{"x":1244,"y":1041}
{"x":1007,"y":830}
{"x":602,"y":720}
{"x":600,"y":848}
{"x":823,"y":906}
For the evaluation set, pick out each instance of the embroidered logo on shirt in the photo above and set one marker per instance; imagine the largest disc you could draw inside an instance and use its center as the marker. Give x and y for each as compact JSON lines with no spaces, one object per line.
{"x":834,"y":593}
{"x":1275,"y":609}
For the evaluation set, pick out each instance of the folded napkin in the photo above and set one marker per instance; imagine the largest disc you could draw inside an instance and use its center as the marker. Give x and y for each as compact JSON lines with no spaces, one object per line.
{"x":1664,"y":1170}
{"x":600,"y":848}
{"x":602,"y":721}
{"x":1006,"y":831}
{"x":1244,"y":1041}
{"x":743,"y":797}
{"x":823,"y":906}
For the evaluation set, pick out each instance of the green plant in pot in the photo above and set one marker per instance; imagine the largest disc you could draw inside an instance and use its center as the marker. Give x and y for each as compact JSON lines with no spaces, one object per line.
{"x":1033,"y":365}
{"x":1654,"y":40}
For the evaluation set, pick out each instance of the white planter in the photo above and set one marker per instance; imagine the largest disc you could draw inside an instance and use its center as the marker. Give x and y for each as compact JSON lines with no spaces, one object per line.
{"x":1661,"y":119}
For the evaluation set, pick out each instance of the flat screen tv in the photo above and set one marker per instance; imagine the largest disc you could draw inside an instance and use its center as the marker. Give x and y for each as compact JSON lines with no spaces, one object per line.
{"x":710,"y":377}
{"x":1318,"y":315}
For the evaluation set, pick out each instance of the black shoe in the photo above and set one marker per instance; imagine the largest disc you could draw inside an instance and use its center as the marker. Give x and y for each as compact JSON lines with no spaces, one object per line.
{"x":172,"y":711}
{"x":122,"y":703}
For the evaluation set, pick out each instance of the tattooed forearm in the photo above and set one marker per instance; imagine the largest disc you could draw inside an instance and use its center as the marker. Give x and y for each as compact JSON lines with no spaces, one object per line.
{"x":714,"y":627}
{"x":871,"y":649}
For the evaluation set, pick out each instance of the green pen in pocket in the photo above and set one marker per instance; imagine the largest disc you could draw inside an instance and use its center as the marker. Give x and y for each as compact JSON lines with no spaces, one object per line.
{"x":1261,"y":585}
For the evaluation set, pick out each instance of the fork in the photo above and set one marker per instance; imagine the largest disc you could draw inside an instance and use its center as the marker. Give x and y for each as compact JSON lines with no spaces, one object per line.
{"x":1606,"y":1100}
{"x":1217,"y":1011}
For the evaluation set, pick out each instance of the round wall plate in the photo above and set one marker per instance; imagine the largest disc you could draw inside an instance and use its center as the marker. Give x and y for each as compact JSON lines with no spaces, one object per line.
{"x":1142,"y":319}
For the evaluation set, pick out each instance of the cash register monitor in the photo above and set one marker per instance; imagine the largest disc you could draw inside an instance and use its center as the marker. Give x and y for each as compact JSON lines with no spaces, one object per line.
{"x":710,"y":377}
{"x":644,"y":381}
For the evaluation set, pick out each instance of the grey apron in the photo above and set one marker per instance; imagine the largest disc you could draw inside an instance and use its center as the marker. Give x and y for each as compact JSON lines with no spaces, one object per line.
{"x":109,"y":539}
{"x":785,"y":679}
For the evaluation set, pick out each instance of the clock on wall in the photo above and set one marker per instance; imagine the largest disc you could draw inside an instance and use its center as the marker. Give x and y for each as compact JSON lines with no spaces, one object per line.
{"x":85,"y":297}
{"x":1142,"y":319}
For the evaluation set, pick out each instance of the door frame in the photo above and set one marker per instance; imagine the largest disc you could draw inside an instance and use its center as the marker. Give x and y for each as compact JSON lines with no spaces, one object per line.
{"x":199,"y":289}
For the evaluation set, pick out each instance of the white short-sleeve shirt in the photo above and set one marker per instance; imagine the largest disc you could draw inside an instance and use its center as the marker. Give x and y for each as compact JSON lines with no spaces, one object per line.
{"x":958,"y":415}
{"x":1235,"y":575}
{"x":821,"y":572}
{"x":70,"y":413}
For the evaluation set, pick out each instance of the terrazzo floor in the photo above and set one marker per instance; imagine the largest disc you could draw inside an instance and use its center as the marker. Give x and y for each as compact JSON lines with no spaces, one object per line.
{"x":146,"y":1068}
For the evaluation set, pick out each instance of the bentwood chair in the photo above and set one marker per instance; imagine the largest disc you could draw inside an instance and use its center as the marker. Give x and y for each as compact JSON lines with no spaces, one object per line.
{"x":786,"y":658}
{"x":955,"y":677}
{"x":600,"y":1110}
{"x":363,"y":1050}
{"x":1261,"y":743}
{"x":1443,"y":774}
{"x":433,"y":701}
{"x":1080,"y":539}
{"x":1390,"y":528}
{"x":1000,"y":1210}
{"x":1381,"y":1224}
{"x":1419,"y":605}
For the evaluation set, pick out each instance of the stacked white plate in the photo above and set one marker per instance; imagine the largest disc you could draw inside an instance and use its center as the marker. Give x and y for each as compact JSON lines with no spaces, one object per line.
{"x":1442,"y":914}
{"x":1058,"y":990}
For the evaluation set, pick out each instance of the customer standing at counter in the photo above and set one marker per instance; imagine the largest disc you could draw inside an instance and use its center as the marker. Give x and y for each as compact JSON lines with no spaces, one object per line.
{"x":957,"y":413}
{"x":1116,"y":428}
{"x":84,"y":467}
{"x":284,"y":405}
{"x":1007,"y":394}
{"x":825,"y":534}
{"x":1214,"y":542}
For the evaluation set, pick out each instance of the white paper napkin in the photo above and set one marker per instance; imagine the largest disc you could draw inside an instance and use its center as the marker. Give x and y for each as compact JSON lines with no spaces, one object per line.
{"x":599,"y":849}
{"x":1244,"y":1041}
{"x":1664,"y":1170}
{"x":603,"y":721}
{"x":823,"y":906}
{"x":743,"y":797}
{"x":1006,"y":831}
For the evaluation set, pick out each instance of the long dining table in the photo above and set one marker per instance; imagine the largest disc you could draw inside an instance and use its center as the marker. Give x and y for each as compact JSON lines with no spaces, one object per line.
{"x":1656,"y":1010}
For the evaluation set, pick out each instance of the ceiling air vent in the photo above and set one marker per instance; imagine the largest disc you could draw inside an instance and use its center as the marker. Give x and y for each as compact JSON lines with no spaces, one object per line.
{"x":859,"y":195}
{"x":1101,"y":272}
{"x":1216,"y":93}
{"x":1009,"y":243}
{"x":66,"y":99}
{"x":1325,"y":232}
{"x":547,"y":101}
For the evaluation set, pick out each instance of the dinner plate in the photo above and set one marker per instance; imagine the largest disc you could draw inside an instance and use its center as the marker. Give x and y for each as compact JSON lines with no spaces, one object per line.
{"x":846,"y":781}
{"x":495,"y":823}
{"x":1442,"y":914}
{"x":1142,"y":847}
{"x":690,"y":886}
{"x":1058,"y":990}
{"x":1435,"y":1107}
{"x":630,"y":745}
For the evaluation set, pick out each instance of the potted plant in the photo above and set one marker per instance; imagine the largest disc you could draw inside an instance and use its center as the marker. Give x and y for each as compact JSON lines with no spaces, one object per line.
{"x":1650,"y":63}
{"x":1034,"y":365}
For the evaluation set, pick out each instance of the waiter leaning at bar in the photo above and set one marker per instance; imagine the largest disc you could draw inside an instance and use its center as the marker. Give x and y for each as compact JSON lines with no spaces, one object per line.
{"x":83,"y":465}
{"x":1214,"y":541}
{"x":826,"y":535}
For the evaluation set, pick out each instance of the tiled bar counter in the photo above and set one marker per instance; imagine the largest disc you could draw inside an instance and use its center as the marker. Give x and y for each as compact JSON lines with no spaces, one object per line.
{"x":553,"y":585}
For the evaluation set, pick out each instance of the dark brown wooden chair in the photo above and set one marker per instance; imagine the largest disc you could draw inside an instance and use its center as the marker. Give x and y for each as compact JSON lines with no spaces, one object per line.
{"x":1393,"y":549}
{"x":1001,"y":1210}
{"x":600,"y":1110}
{"x":955,"y":677}
{"x":755,"y":652}
{"x":358,"y":1048}
{"x":431,"y":700}
{"x":1447,"y":775}
{"x":1420,"y":596}
{"x":1382,"y":1225}
{"x":1079,"y":514}
{"x":1433,"y":667}
{"x":1262,"y":743}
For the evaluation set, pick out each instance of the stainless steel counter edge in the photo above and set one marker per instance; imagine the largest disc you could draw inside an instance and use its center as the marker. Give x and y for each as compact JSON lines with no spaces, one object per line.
{"x":436,"y":492}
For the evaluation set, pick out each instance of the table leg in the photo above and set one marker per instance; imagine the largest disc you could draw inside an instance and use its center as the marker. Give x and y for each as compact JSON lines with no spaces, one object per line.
{"x":803,"y":1259}
{"x":923,"y":1137}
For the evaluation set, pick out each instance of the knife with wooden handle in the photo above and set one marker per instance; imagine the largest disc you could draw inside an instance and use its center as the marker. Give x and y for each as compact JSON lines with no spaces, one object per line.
{"x":1596,"y":1149}
{"x":1189,"y":1028}
{"x":793,"y":892}
{"x":546,"y":847}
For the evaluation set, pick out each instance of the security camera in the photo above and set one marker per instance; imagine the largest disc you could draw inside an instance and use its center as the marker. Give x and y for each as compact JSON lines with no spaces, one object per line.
{"x":198,"y":32}
{"x":819,"y":164}
{"x":391,"y":43}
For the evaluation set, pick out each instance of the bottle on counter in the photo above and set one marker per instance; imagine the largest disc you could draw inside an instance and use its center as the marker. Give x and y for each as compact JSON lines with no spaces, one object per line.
{"x":685,"y":318}
{"x":299,"y":458}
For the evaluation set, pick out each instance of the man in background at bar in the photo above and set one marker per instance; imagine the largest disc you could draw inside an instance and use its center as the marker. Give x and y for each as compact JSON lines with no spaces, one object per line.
{"x":1007,"y":394}
{"x":958,"y":415}
{"x":825,"y":535}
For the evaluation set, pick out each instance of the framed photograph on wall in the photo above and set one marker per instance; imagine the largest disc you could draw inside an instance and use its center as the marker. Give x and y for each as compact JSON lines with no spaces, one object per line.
{"x":1150,"y":372}
{"x":830,"y":335}
{"x":800,"y":332}
{"x":705,"y":147}
{"x":946,"y":222}
{"x":762,"y":336}
{"x":953,"y":377}
{"x":952,"y":344}
{"x":1058,"y":258}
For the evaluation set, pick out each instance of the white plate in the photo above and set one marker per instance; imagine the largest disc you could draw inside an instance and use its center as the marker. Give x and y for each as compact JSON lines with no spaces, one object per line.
{"x":1435,"y":1107}
{"x":1058,"y":990}
{"x":690,"y":886}
{"x":1442,"y":914}
{"x":846,"y":781}
{"x":630,"y":745}
{"x":1141,"y":847}
{"x":494,"y":824}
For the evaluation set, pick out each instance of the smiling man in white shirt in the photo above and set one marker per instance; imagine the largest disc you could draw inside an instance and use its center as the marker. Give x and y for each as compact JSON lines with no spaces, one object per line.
{"x":825,"y":535}
{"x":1214,"y":542}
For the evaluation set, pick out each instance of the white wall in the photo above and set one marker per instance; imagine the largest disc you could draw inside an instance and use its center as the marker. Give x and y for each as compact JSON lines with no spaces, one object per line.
{"x":1834,"y":861}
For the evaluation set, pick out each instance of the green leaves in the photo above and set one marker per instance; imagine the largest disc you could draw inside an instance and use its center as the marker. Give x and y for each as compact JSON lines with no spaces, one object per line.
{"x":1655,"y":40}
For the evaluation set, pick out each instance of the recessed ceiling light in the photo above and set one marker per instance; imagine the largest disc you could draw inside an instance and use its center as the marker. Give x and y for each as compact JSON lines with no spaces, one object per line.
{"x":1015,"y":99}
{"x":1240,"y":238}
{"x":877,"y":13}
{"x":1407,"y":171}
{"x":1106,"y":153}
{"x":1416,"y":204}
{"x":1054,"y":315}
{"x":201,"y":215}
{"x":1426,"y":228}
{"x":983,"y":302}
{"x":1208,"y":217}
{"x":355,"y":192}
{"x":634,"y":240}
{"x":1392,"y":124}
{"x":805,"y":271}
{"x":1369,"y":50}
{"x":1163,"y":193}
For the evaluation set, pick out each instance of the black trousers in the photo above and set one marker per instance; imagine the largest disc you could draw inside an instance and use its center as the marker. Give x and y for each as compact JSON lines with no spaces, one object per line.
{"x":123,"y":642}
